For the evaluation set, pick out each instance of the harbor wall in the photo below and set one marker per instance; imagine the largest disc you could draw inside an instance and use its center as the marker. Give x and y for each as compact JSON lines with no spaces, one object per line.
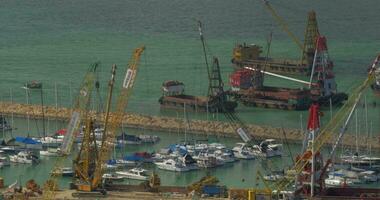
{"x":169,"y":124}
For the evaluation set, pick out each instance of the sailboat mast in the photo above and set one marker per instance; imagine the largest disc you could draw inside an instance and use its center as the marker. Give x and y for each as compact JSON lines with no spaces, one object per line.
{"x":366,"y":121}
{"x":27,"y":116}
{"x":184,"y":121}
{"x":43,"y":112}
{"x":356,"y":131}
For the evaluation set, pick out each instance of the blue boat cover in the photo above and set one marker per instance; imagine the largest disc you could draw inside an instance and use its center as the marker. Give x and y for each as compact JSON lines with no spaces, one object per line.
{"x":180,"y":148}
{"x":111,"y":162}
{"x":26,"y":140}
{"x":133,"y":158}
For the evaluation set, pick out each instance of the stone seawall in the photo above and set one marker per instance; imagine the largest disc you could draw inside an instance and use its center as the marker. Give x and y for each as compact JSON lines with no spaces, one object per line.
{"x":134,"y":120}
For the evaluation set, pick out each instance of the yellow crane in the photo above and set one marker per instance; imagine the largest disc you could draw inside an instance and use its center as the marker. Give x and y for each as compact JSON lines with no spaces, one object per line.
{"x":326,"y":133}
{"x":80,"y":111}
{"x":89,"y":168}
{"x":310,"y":36}
{"x":283,"y":24}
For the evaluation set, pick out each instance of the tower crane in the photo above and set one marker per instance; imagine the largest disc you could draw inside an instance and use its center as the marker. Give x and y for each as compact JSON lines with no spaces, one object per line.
{"x":90,"y":178}
{"x":80,"y":111}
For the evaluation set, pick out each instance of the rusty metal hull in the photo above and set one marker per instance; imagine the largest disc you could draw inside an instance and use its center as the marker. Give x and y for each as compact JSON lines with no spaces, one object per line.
{"x":196,"y":104}
{"x":272,"y":97}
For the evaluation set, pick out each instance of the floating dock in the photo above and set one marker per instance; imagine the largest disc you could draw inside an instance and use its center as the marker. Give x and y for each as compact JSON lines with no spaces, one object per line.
{"x":169,"y":124}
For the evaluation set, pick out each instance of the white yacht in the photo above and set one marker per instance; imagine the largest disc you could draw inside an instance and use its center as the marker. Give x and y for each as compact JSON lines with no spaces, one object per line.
{"x":50,"y":140}
{"x":23,"y":157}
{"x":273,"y":177}
{"x":337,"y":181}
{"x":242,"y":151}
{"x":135,"y":173}
{"x":50,"y":152}
{"x":270,"y":148}
{"x":208,"y":162}
{"x":4,"y":161}
{"x":368,"y":176}
{"x":348,"y":175}
{"x":224,"y":155}
{"x":149,"y":138}
{"x":64,"y":171}
{"x":112,"y":177}
{"x":172,"y":165}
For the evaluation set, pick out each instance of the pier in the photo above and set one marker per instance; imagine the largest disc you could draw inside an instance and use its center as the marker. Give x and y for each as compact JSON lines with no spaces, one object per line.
{"x":169,"y":124}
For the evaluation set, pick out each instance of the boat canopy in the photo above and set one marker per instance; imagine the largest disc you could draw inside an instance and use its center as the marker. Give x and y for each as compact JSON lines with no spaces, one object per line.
{"x":133,"y":158}
{"x":26,"y":140}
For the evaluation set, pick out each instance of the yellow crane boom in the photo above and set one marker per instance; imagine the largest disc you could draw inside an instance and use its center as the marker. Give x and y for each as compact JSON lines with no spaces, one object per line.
{"x":283,"y":24}
{"x":80,"y":111}
{"x":116,"y":119}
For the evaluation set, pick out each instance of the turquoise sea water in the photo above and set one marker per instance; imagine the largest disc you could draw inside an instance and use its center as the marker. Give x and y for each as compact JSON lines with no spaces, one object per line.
{"x":56,"y":41}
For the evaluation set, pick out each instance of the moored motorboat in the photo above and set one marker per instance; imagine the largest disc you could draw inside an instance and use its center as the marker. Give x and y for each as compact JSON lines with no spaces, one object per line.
{"x":64,"y":171}
{"x":149,"y":138}
{"x":269,"y":148}
{"x":112,"y":177}
{"x":337,"y":181}
{"x":135,"y":173}
{"x":23,"y":157}
{"x":273,"y":177}
{"x":4,"y":160}
{"x":242,"y":151}
{"x":50,"y":152}
{"x":128,"y":139}
{"x":172,"y":165}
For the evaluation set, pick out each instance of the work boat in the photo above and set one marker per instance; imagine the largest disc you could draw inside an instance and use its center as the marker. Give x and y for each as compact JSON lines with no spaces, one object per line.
{"x":172,"y":165}
{"x":135,"y":173}
{"x":23,"y":157}
{"x":242,"y":151}
{"x":269,"y":148}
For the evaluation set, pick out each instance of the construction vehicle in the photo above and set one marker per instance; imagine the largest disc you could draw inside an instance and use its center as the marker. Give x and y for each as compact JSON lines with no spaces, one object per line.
{"x":91,"y":159}
{"x":88,"y":164}
{"x":248,"y":85}
{"x":309,"y":170}
{"x":80,"y":111}
{"x":173,"y":96}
